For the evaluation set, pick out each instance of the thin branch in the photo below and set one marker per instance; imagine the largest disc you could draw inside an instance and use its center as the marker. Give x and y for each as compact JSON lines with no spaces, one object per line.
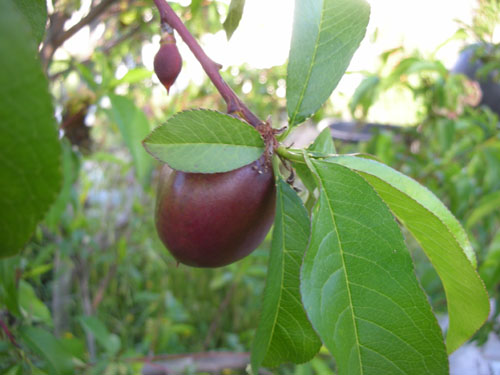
{"x":234,"y":104}
{"x":56,"y":37}
{"x":122,"y":38}
{"x":9,"y":334}
{"x":104,"y":49}
{"x":93,"y":14}
{"x":103,"y":286}
{"x":208,"y":362}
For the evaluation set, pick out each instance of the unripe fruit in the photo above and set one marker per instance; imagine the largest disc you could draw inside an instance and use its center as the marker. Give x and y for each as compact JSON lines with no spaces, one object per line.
{"x":211,"y":220}
{"x":168,"y":61}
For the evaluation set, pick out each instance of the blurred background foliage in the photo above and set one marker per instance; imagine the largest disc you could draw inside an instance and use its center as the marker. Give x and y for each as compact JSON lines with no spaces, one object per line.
{"x":95,"y":292}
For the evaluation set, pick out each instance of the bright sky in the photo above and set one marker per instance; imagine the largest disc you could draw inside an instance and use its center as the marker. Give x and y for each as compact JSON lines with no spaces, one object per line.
{"x":262,"y":40}
{"x":263,"y":37}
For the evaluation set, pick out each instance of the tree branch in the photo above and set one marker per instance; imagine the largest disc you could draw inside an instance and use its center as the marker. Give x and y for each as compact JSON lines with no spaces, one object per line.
{"x":93,"y":14}
{"x":234,"y":104}
{"x":103,"y":49}
{"x":56,"y":37}
{"x":205,"y":362}
{"x":103,"y":285}
{"x":9,"y":334}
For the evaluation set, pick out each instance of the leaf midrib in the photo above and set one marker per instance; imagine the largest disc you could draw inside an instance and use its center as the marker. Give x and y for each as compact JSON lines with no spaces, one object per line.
{"x":200,"y":144}
{"x":430,"y":255}
{"x":280,"y":195}
{"x":309,"y":73}
{"x":341,"y":249}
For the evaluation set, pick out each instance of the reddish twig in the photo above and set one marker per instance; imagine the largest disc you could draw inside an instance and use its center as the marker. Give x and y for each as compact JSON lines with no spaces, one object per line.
{"x":9,"y":334}
{"x":234,"y":103}
{"x":103,"y":285}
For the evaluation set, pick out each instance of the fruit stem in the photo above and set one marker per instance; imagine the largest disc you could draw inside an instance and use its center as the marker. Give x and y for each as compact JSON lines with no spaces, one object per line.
{"x":211,"y":68}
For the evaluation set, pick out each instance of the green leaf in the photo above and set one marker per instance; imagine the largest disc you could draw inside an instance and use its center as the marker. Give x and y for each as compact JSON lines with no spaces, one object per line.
{"x":49,"y":348}
{"x":326,"y":33}
{"x":320,"y":366}
{"x":411,"y":65}
{"x":102,"y":65}
{"x":35,"y":12}
{"x":75,"y":346}
{"x":305,"y":176}
{"x":233,"y":17}
{"x":31,"y":306}
{"x":70,"y":168}
{"x":9,"y":296}
{"x":195,"y":6}
{"x":30,"y":152}
{"x":432,"y":66}
{"x":37,"y":371}
{"x":359,"y":287}
{"x":110,"y":342}
{"x":205,"y":141}
{"x":134,"y":126}
{"x":304,"y":369}
{"x":16,"y":370}
{"x":365,"y":94}
{"x":284,"y":334}
{"x":442,"y":238}
{"x":488,"y":204}
{"x":38,"y":270}
{"x":133,"y":76}
{"x":490,"y":268}
{"x":323,"y":143}
{"x":87,"y":75}
{"x":489,"y":67}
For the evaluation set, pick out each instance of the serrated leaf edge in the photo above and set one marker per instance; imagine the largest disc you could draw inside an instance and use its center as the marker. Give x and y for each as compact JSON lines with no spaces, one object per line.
{"x":145,"y":142}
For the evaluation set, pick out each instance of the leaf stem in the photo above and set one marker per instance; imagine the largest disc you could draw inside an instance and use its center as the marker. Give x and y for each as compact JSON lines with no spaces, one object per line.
{"x":289,"y":154}
{"x":297,"y":155}
{"x":234,"y":103}
{"x":311,"y":200}
{"x":276,"y":167}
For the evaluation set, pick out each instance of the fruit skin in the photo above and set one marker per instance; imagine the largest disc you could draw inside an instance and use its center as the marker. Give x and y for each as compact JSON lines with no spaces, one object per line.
{"x":211,"y":220}
{"x":167,"y":62}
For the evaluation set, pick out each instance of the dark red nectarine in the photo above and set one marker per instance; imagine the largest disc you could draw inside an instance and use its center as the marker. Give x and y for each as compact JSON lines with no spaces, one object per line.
{"x":211,"y":220}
